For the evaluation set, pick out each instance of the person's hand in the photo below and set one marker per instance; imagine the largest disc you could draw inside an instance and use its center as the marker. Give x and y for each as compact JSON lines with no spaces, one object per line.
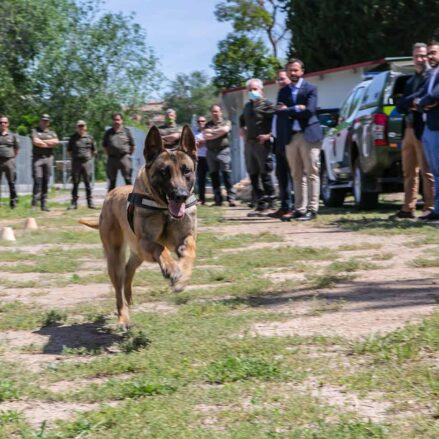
{"x":429,"y":107}
{"x":262,"y":138}
{"x":301,"y":107}
{"x":281,"y":106}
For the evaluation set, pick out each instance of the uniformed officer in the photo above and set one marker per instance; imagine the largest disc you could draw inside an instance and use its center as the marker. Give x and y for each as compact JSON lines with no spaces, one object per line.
{"x":9,"y":145}
{"x":82,"y":149}
{"x":170,"y":131}
{"x":43,"y":141}
{"x":119,"y":146}
{"x":216,"y":134}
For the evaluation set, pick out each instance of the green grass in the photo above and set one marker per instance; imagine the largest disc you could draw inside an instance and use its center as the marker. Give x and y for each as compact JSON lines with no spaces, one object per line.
{"x":200,"y":371}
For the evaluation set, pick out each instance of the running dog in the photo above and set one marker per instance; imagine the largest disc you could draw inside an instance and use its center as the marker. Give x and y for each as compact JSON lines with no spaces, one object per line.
{"x":161,"y":217}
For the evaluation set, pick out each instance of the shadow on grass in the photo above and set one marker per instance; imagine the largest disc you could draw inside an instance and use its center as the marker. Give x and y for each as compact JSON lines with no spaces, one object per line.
{"x":382,"y":223}
{"x":85,"y":338}
{"x":367,"y":295}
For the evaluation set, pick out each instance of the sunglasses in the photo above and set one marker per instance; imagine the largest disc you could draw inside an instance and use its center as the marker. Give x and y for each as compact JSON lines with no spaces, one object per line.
{"x":201,"y":121}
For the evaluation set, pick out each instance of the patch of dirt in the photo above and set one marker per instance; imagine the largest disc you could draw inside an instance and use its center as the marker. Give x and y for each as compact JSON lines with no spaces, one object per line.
{"x":38,"y":362}
{"x":372,"y":408}
{"x":72,"y":385}
{"x":376,"y":301}
{"x":159,"y":307}
{"x":36,"y":412}
{"x":59,"y":297}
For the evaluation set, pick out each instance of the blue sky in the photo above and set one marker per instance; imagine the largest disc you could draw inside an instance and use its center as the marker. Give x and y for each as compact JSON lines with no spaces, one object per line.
{"x":184,"y":34}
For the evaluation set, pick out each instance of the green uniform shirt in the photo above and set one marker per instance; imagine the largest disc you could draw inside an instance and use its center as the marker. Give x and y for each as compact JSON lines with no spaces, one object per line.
{"x":257,"y":118}
{"x":221,"y":142}
{"x":118,"y":143}
{"x":165,"y":130}
{"x":43,"y":135}
{"x":9,"y":145}
{"x":81,"y":147}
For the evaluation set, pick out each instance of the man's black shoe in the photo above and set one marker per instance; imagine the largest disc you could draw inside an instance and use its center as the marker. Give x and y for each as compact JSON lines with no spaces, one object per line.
{"x":73,"y":206}
{"x":308,"y":216}
{"x":432,"y":216}
{"x":291,"y":215}
{"x":232,"y":203}
{"x":402,"y":214}
{"x":45,"y":209}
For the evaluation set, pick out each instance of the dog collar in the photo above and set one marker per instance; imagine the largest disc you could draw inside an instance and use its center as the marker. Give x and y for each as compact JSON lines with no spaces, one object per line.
{"x":144,"y":201}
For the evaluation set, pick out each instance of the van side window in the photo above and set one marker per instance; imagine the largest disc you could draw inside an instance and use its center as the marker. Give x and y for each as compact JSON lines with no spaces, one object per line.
{"x":356,"y":100}
{"x":374,"y":92}
{"x":345,"y":108}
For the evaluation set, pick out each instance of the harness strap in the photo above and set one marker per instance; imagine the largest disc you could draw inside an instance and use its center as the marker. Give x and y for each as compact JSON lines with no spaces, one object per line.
{"x":141,"y":200}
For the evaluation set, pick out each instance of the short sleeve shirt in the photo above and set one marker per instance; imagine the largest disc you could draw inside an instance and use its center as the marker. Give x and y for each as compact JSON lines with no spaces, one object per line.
{"x":165,"y":130}
{"x":118,"y":143}
{"x":42,"y":135}
{"x":221,"y":142}
{"x":9,"y":145}
{"x":81,"y":147}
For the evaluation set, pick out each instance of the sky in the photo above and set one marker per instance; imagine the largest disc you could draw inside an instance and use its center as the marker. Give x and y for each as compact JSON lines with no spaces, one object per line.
{"x":183,"y":33}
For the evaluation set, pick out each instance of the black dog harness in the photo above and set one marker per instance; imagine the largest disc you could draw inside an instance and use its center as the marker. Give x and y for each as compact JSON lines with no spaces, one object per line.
{"x":141,"y":200}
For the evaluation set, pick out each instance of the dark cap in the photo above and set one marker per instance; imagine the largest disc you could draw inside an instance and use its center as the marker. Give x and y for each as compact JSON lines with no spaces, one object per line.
{"x":45,"y":116}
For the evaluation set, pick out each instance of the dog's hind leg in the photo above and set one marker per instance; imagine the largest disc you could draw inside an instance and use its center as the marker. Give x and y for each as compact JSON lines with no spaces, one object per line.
{"x":186,"y":253}
{"x":116,"y":269}
{"x":130,"y":268}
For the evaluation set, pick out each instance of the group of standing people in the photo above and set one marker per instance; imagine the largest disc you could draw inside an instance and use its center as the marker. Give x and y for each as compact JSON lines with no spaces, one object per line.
{"x":290,"y":127}
{"x":420,"y":147}
{"x":118,"y":145}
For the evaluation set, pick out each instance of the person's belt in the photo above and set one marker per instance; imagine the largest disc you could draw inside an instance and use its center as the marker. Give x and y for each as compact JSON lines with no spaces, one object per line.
{"x":295,"y":132}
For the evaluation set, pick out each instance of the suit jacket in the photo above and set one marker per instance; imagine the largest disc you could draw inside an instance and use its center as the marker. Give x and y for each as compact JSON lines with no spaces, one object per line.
{"x":432,"y":115}
{"x":404,"y":104}
{"x":308,"y":120}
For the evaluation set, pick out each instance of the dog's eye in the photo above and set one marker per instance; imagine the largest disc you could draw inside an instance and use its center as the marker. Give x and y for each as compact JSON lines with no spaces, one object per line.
{"x":185,"y":170}
{"x":164,"y":171}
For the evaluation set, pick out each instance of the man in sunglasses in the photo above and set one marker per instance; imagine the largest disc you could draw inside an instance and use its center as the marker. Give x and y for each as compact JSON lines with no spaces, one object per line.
{"x":8,"y":151}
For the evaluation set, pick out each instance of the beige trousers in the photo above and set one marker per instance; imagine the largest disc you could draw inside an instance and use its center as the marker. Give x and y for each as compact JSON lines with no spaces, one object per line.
{"x":413,"y":159}
{"x":304,"y":161}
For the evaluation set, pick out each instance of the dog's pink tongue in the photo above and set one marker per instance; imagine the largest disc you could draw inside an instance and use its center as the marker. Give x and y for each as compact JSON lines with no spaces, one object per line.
{"x":176,"y":209}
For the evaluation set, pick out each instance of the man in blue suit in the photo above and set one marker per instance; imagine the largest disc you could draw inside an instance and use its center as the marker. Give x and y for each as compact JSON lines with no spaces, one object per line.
{"x":301,"y":133}
{"x":428,"y":102}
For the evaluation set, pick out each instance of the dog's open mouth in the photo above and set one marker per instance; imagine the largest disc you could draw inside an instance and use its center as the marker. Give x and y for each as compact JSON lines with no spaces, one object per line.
{"x":176,"y":209}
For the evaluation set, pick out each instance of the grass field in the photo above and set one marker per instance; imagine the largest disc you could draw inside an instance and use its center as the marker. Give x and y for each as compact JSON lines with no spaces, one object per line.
{"x":260,"y":346}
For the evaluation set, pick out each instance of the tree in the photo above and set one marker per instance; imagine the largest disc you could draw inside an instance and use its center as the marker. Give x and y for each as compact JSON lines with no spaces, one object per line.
{"x":239,"y":58}
{"x":256,"y":18}
{"x":330,"y":33}
{"x":72,"y":61}
{"x":190,"y":94}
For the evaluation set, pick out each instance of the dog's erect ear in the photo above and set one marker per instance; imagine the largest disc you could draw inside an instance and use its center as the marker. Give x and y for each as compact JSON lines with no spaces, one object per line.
{"x":187,"y":142}
{"x":153,"y":145}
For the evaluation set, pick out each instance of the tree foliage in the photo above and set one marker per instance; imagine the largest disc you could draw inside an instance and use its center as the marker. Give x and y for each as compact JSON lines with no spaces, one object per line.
{"x":255,"y":18}
{"x":70,"y":59}
{"x":240,"y":58}
{"x":190,"y":94}
{"x":332,"y":33}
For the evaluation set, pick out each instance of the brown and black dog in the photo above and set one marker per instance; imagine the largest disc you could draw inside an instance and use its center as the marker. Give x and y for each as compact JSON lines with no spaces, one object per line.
{"x":164,"y":218}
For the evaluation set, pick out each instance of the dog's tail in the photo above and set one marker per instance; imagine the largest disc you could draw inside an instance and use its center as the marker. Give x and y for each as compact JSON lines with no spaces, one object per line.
{"x":93,"y":223}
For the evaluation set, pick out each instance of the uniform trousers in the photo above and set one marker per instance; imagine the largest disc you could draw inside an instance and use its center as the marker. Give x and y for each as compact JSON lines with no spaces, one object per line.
{"x":41,"y":172}
{"x":114,"y":164}
{"x":219,"y":163}
{"x":8,"y":167}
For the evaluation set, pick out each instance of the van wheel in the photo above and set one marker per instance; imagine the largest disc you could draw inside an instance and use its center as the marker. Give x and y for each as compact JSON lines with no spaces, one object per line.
{"x":331,"y":197}
{"x":363,"y":200}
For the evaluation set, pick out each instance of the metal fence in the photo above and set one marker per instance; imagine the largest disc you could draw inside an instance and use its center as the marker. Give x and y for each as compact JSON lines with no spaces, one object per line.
{"x":62,"y":163}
